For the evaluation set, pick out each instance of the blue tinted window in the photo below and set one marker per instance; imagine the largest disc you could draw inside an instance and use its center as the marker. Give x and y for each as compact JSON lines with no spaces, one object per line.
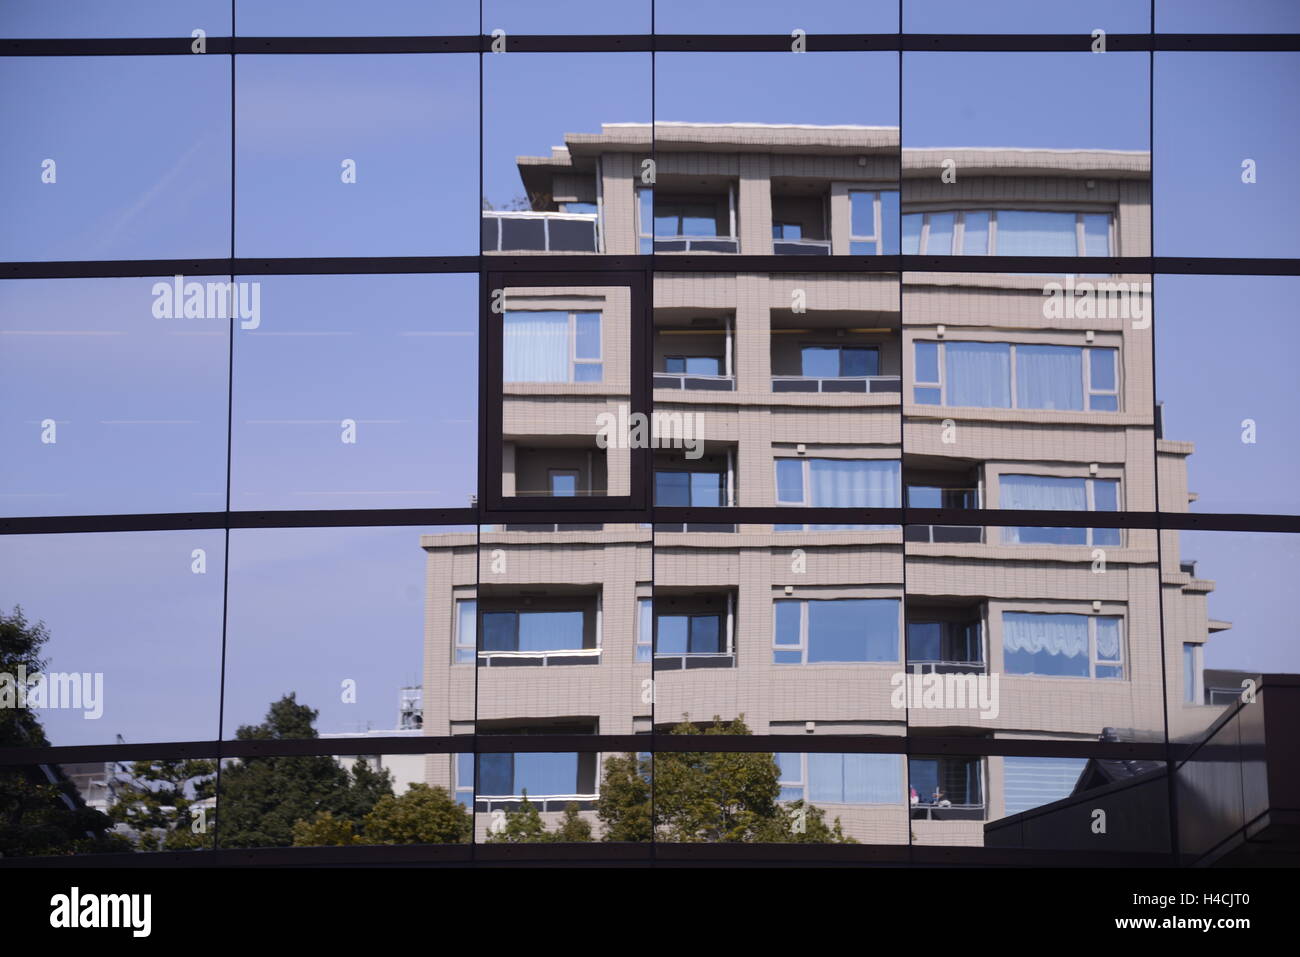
{"x":853,"y":629}
{"x":672,"y":634}
{"x":587,"y":343}
{"x":789,"y":480}
{"x":927,"y":362}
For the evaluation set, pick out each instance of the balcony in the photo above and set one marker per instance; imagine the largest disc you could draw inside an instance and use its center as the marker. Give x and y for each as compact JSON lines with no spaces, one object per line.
{"x":696,"y":244}
{"x":801,"y":247}
{"x":539,"y":659}
{"x":523,"y":231}
{"x":686,"y":380}
{"x":945,"y":534}
{"x":686,"y":662}
{"x":948,"y":812}
{"x":936,"y":667}
{"x":860,"y":384}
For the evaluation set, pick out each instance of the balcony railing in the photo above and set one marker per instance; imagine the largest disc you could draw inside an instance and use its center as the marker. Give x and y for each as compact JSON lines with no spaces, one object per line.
{"x":801,"y":247}
{"x":945,"y":534}
{"x":543,"y":803}
{"x":517,"y":230}
{"x":932,"y":666}
{"x":801,"y":383}
{"x":690,"y":661}
{"x":696,"y":244}
{"x":950,"y":812}
{"x":686,"y":380}
{"x":539,"y":659}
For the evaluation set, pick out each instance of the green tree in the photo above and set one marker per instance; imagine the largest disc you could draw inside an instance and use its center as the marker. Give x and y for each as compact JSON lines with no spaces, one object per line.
{"x":263,"y":797}
{"x":625,"y":799}
{"x":41,"y":812}
{"x":523,"y":826}
{"x":573,"y":827}
{"x":157,"y":803}
{"x":421,"y":815}
{"x":707,"y":796}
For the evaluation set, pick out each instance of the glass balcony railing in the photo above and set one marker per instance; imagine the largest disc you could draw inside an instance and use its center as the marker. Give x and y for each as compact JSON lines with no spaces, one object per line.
{"x":939,"y":667}
{"x":687,"y":380}
{"x":945,"y":534}
{"x":523,"y":230}
{"x":800,"y":383}
{"x":696,"y":244}
{"x":801,"y":247}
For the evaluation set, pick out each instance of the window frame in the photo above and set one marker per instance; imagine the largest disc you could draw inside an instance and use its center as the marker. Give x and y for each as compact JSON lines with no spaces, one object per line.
{"x":1085,"y":363}
{"x":1121,"y":662}
{"x":1090,"y":505}
{"x":959,"y":214}
{"x":805,"y":633}
{"x":574,"y":360}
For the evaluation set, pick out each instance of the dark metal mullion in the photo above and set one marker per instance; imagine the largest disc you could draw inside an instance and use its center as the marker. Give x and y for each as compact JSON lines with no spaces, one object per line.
{"x":739,"y":515}
{"x":962,"y":745}
{"x":1048,"y":267}
{"x":570,"y":43}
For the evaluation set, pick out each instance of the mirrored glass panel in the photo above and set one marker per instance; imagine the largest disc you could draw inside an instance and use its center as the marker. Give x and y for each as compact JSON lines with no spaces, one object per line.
{"x":356,"y":155}
{"x":110,"y":638}
{"x":95,"y":178}
{"x":356,"y":392}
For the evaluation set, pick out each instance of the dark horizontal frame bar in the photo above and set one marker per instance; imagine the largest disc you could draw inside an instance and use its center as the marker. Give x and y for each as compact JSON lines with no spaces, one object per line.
{"x":644,"y":43}
{"x":911,"y":744}
{"x":598,"y":854}
{"x":372,"y":265}
{"x":392,"y":517}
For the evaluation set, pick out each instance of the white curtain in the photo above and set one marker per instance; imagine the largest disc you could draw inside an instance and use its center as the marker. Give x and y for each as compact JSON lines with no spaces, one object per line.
{"x":855,"y":779}
{"x":1049,"y":377}
{"x":853,"y":483}
{"x":979,"y":374}
{"x":1107,"y":639}
{"x":536,"y":347}
{"x":1062,"y":636}
{"x":1042,"y":492}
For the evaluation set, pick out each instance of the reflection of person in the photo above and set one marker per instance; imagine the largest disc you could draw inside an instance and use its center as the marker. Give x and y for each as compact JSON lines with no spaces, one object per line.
{"x":915,"y":798}
{"x":938,"y":799}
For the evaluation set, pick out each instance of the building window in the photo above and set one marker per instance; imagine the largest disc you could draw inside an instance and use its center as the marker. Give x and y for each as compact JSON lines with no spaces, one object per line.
{"x":463,"y":783}
{"x":551,"y":346}
{"x":1057,"y":493}
{"x":693,"y":365}
{"x":679,"y":487}
{"x":538,"y":775}
{"x":644,"y":629}
{"x":1000,"y":375}
{"x":873,"y":222}
{"x":838,"y":483}
{"x":839,"y":362}
{"x":533,"y":630}
{"x":563,"y":483}
{"x":1192,"y":680}
{"x":466,"y":631}
{"x":1007,"y":232}
{"x":936,"y":783}
{"x":841,"y":778}
{"x":691,"y":635}
{"x":1033,"y":782}
{"x":1064,"y":646}
{"x":840,"y":630}
{"x":941,"y":644}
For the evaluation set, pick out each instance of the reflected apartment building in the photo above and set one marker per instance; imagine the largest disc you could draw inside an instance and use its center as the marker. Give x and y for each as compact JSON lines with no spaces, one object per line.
{"x":832,"y":389}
